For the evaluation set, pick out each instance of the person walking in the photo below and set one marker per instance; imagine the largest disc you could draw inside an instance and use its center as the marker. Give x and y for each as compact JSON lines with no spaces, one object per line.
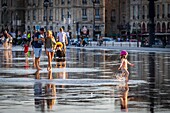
{"x":38,"y":42}
{"x":50,"y":45}
{"x":62,"y":37}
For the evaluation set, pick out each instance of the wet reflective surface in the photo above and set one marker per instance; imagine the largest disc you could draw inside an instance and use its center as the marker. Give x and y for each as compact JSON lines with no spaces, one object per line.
{"x":85,"y":82}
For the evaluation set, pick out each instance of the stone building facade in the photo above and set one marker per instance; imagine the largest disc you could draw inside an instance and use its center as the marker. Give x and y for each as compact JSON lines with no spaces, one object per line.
{"x":128,"y":18}
{"x":12,"y":14}
{"x":116,"y":18}
{"x":70,"y":14}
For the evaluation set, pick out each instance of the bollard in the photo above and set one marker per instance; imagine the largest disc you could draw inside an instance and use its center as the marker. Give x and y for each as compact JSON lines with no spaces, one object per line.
{"x":112,"y":43}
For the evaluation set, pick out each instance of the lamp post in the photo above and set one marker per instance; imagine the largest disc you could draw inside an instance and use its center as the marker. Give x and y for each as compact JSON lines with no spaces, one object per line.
{"x":151,"y":22}
{"x":128,"y":30}
{"x":4,"y":8}
{"x":137,"y":36}
{"x":16,"y":30}
{"x":93,"y":1}
{"x":46,"y":3}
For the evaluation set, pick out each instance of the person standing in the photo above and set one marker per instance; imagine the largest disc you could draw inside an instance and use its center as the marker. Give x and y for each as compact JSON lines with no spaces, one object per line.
{"x":38,"y":42}
{"x":32,"y":45}
{"x":68,"y":37}
{"x":7,"y":40}
{"x":50,"y":45}
{"x":62,"y":37}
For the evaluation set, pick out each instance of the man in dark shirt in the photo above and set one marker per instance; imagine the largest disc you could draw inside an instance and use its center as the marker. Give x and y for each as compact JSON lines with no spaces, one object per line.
{"x":38,"y":42}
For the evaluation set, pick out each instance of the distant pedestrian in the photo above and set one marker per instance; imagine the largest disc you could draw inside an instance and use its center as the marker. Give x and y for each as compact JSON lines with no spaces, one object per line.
{"x":68,"y":37}
{"x":50,"y":45}
{"x":124,"y":63}
{"x":38,"y":42}
{"x":62,"y":37}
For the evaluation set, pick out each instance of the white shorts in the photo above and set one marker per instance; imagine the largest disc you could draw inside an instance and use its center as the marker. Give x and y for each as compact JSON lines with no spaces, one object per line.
{"x":50,"y":50}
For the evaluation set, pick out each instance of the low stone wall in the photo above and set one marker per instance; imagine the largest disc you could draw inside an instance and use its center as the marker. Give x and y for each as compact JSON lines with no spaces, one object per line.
{"x":117,"y":44}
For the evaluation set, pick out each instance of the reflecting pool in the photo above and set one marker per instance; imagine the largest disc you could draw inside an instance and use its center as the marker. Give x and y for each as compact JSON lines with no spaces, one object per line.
{"x":85,"y":82}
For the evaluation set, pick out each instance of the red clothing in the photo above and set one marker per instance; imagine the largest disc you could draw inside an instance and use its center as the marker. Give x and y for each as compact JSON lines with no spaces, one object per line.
{"x":26,"y":48}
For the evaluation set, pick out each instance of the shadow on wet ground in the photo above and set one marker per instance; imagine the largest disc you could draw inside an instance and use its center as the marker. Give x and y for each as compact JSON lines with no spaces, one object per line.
{"x":85,"y":81}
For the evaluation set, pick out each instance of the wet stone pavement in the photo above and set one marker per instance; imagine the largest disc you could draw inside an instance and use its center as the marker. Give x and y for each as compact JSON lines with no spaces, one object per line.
{"x":84,"y":82}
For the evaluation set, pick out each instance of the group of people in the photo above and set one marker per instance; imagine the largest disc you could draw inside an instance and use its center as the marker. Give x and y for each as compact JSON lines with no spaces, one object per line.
{"x":51,"y":45}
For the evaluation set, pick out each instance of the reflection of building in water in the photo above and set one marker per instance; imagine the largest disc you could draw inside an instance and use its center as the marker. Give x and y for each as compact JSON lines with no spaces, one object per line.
{"x":155,"y":72}
{"x":46,"y":94}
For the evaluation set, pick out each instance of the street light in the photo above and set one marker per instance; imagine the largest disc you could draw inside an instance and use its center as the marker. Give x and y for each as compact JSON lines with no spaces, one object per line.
{"x":77,"y":29}
{"x":128,"y":30}
{"x":4,"y":8}
{"x":16,"y":18}
{"x":137,"y":35}
{"x":151,"y":22}
{"x":46,"y":4}
{"x":93,"y":1}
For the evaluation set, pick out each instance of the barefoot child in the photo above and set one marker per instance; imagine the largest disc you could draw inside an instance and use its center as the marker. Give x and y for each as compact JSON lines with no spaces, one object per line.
{"x":124,"y":63}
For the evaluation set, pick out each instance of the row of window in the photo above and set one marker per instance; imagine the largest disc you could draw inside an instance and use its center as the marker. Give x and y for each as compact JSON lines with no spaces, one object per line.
{"x":136,"y":12}
{"x":62,"y":2}
{"x":164,"y":27}
{"x":165,"y":9}
{"x":84,"y":14}
{"x":39,"y":2}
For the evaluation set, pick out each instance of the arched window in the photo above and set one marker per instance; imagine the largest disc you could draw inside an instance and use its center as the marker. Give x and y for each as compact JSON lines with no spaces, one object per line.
{"x":158,"y":27}
{"x":168,"y":27}
{"x":147,"y":27}
{"x":163,"y":27}
{"x":143,"y":28}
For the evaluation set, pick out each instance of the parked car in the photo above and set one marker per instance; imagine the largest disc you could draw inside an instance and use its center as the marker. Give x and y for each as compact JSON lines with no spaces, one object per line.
{"x":107,"y":39}
{"x":73,"y":41}
{"x":158,"y":42}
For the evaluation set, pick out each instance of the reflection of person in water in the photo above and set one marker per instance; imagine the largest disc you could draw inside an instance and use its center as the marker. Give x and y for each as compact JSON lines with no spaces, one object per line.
{"x":26,"y":62}
{"x":39,"y":102}
{"x":124,"y":97}
{"x":61,"y":63}
{"x":50,"y":92}
{"x":8,"y":58}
